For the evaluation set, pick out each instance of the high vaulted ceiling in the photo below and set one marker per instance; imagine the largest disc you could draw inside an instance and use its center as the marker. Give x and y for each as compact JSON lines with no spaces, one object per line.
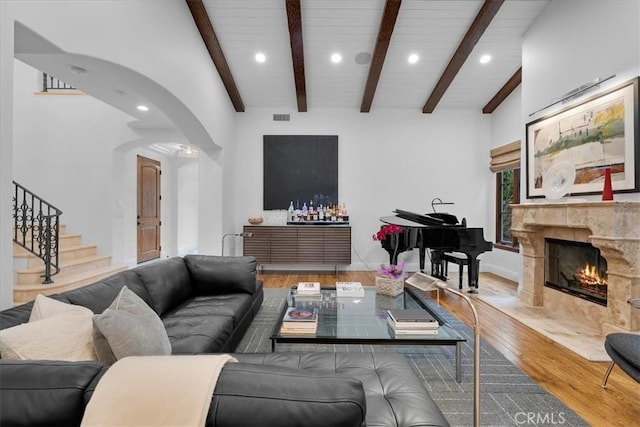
{"x":298,"y":38}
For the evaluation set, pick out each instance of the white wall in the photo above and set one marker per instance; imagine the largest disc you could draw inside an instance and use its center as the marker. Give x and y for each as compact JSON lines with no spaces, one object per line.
{"x":6,"y":150}
{"x":177,"y":59}
{"x":187,"y":221}
{"x":62,"y":152}
{"x":388,"y":159}
{"x":73,"y":151}
{"x":505,"y":128}
{"x":86,"y":28}
{"x":574,"y":42}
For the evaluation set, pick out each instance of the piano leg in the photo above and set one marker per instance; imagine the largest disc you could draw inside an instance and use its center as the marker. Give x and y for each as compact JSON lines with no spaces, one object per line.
{"x":421,"y":256}
{"x":437,"y":270}
{"x":473,"y":270}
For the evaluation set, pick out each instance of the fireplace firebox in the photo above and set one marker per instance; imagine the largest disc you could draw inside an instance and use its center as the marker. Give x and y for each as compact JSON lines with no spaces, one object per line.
{"x":576,"y":268}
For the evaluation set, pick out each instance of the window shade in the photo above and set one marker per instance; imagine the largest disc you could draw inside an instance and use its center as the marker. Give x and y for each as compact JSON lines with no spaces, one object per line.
{"x":505,"y":157}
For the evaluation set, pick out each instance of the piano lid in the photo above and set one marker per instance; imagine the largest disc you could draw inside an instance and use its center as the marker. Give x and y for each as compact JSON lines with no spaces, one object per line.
{"x":411,"y":219}
{"x":396,"y":220}
{"x":433,"y":219}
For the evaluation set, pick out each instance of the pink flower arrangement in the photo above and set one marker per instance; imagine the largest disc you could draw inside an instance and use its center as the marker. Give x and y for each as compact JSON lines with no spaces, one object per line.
{"x":392,"y":271}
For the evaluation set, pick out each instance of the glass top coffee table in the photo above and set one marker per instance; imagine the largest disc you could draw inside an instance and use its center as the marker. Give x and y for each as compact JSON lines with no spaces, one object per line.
{"x":363,"y":320}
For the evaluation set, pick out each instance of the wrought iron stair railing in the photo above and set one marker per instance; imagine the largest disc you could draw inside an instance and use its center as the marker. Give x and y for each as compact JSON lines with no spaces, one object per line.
{"x":50,"y":83}
{"x":36,"y":228}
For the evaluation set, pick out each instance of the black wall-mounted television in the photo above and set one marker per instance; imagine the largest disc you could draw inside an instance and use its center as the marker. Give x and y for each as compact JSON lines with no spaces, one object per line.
{"x":300,"y":168}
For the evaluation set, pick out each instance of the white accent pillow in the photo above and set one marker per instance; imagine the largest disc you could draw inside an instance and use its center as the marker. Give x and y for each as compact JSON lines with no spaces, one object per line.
{"x":60,"y":337}
{"x":129,"y":327}
{"x":44,"y":307}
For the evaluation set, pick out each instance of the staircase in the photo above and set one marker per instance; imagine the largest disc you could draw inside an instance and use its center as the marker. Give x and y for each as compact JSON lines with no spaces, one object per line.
{"x":79,"y":265}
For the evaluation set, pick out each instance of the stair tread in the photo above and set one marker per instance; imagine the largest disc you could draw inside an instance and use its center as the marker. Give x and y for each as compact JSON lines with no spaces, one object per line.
{"x":68,"y":280}
{"x":63,"y":236}
{"x":63,"y":264}
{"x":76,"y":247}
{"x":64,"y":250}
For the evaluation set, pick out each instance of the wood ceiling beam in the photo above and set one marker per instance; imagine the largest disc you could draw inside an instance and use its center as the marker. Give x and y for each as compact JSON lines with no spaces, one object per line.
{"x":201,"y":18}
{"x":484,"y":17}
{"x":294,"y":18}
{"x":385,"y":30}
{"x":504,"y":92}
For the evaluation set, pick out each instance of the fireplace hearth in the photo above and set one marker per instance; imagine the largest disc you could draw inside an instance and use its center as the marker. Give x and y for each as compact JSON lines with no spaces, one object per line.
{"x":576,"y":268}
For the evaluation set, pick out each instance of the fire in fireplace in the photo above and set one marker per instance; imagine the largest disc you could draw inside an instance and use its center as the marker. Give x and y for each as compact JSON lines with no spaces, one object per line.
{"x":576,"y":268}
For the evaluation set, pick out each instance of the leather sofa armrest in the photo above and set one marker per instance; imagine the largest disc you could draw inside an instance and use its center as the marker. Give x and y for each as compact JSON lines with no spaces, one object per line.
{"x":264,"y":395}
{"x":221,"y":275}
{"x":45,"y":393}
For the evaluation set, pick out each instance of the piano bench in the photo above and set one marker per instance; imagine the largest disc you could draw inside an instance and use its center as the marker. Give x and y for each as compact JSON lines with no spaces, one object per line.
{"x":461,"y":260}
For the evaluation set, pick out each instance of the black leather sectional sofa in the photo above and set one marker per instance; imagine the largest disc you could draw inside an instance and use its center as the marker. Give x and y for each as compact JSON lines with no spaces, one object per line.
{"x":206,"y":304}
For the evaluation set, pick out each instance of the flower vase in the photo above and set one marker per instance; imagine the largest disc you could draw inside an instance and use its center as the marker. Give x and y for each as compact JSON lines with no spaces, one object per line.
{"x":607,"y":191}
{"x":388,"y":286}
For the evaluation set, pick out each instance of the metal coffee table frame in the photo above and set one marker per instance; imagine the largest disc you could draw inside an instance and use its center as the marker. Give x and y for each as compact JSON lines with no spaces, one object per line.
{"x":362,"y":320}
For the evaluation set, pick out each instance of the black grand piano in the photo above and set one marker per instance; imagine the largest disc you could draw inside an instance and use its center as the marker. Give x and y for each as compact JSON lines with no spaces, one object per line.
{"x":439,"y":232}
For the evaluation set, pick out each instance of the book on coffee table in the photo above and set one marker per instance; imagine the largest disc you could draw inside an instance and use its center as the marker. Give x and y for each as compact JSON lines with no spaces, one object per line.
{"x":409,"y":332}
{"x":413,"y":318}
{"x":300,"y":316}
{"x":308,"y":288}
{"x":300,"y":320}
{"x":349,"y":289}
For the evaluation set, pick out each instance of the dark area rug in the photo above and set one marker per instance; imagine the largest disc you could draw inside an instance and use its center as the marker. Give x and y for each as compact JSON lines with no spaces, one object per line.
{"x":508,"y":397}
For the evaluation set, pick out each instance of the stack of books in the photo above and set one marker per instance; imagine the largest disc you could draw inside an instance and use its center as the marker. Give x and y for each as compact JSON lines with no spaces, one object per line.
{"x":349,"y":289}
{"x":308,"y":288}
{"x":299,"y":320}
{"x":412,"y":322}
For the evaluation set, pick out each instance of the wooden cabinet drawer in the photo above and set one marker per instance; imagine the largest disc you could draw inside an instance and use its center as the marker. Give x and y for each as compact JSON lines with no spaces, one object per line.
{"x":258,"y":245}
{"x":310,"y":245}
{"x":284,"y":246}
{"x":337,"y":246}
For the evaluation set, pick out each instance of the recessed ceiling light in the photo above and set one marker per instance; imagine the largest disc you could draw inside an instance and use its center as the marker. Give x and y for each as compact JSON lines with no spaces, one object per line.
{"x":413,"y":58}
{"x":78,"y":71}
{"x":336,"y":58}
{"x":260,"y":57}
{"x":485,"y":59}
{"x":142,"y":108}
{"x":362,"y":58}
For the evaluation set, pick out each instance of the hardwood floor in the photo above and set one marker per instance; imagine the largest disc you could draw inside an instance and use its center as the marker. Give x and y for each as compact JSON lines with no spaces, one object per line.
{"x":571,"y":378}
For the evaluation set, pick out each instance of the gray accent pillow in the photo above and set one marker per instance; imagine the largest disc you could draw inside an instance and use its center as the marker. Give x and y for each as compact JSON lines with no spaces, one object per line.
{"x":129,"y":327}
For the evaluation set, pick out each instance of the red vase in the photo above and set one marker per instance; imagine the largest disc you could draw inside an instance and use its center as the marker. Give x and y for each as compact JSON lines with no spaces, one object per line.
{"x":607,"y":191}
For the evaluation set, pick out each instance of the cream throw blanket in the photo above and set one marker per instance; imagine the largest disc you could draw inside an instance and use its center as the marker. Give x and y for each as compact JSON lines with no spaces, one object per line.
{"x":155,"y":391}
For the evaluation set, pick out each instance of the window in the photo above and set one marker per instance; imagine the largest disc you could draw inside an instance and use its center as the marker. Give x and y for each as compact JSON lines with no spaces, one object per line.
{"x":507,"y":193}
{"x":505,"y":163}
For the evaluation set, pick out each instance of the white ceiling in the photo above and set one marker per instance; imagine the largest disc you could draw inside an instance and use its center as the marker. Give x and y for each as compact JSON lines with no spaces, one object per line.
{"x":431,"y":28}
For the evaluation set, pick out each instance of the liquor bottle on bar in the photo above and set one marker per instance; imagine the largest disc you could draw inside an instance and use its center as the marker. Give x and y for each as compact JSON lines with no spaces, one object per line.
{"x":321,"y":213}
{"x":298,"y":212}
{"x":291,"y":213}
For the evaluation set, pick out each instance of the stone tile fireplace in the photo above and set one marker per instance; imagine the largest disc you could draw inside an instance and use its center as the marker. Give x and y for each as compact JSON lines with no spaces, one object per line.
{"x":613,"y":227}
